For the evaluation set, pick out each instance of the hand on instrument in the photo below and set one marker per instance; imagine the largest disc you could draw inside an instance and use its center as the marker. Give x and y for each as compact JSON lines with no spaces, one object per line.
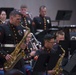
{"x":51,"y":72}
{"x":32,"y":53}
{"x":8,"y":57}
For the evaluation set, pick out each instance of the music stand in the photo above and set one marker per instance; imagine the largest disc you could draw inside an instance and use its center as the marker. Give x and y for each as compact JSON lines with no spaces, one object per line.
{"x":46,"y":62}
{"x":66,"y":46}
{"x":41,"y":64}
{"x":63,"y":15}
{"x":69,"y":46}
{"x":73,"y":46}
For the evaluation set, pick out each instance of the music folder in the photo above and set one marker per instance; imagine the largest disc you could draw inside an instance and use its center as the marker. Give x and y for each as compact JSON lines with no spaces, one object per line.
{"x":46,"y":61}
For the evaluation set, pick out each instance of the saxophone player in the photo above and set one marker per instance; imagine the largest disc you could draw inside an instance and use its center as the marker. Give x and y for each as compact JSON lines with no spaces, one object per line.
{"x":10,"y":35}
{"x":48,"y":45}
{"x":60,"y":36}
{"x":49,"y":42}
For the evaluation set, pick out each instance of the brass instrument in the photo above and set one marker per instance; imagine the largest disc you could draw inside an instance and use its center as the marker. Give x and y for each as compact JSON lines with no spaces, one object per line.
{"x":58,"y":68}
{"x":16,"y":56}
{"x":35,"y":43}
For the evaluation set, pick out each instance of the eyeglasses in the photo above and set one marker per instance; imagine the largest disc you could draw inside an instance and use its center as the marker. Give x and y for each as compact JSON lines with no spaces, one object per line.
{"x":51,"y":42}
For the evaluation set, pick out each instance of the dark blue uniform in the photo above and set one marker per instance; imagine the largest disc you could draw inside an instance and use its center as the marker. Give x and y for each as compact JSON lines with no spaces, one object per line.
{"x":9,"y":34}
{"x":42,"y":23}
{"x":26,"y":22}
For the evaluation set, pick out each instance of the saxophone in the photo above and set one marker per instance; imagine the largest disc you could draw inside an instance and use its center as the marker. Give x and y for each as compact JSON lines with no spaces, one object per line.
{"x":58,"y":68}
{"x":16,"y":54}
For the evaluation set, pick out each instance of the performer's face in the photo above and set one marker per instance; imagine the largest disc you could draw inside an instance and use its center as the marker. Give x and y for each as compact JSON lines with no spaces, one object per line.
{"x":16,"y":20}
{"x":43,"y":12}
{"x":23,"y":11}
{"x":60,"y":37}
{"x":28,"y":38}
{"x":3,"y":15}
{"x":49,"y":43}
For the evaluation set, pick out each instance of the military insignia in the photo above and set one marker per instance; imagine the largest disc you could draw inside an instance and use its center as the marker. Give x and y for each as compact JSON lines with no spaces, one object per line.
{"x":20,"y":32}
{"x":29,"y":21}
{"x":48,"y":21}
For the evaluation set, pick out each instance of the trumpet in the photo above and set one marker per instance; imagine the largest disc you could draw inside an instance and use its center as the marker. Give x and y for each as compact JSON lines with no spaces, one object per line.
{"x":35,"y":43}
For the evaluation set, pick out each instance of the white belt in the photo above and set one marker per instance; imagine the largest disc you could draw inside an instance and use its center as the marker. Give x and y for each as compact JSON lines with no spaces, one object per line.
{"x":8,"y":45}
{"x":39,"y":31}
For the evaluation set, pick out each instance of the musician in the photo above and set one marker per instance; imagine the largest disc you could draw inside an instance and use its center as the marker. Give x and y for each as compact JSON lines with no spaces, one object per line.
{"x":25,"y":20}
{"x":3,"y":17}
{"x":10,"y":35}
{"x":48,"y":45}
{"x":30,"y":52}
{"x":60,"y":36}
{"x":41,"y":23}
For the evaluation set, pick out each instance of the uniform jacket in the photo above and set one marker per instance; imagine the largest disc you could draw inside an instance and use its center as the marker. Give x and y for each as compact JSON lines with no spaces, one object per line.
{"x":26,"y":21}
{"x":41,"y":23}
{"x":9,"y":34}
